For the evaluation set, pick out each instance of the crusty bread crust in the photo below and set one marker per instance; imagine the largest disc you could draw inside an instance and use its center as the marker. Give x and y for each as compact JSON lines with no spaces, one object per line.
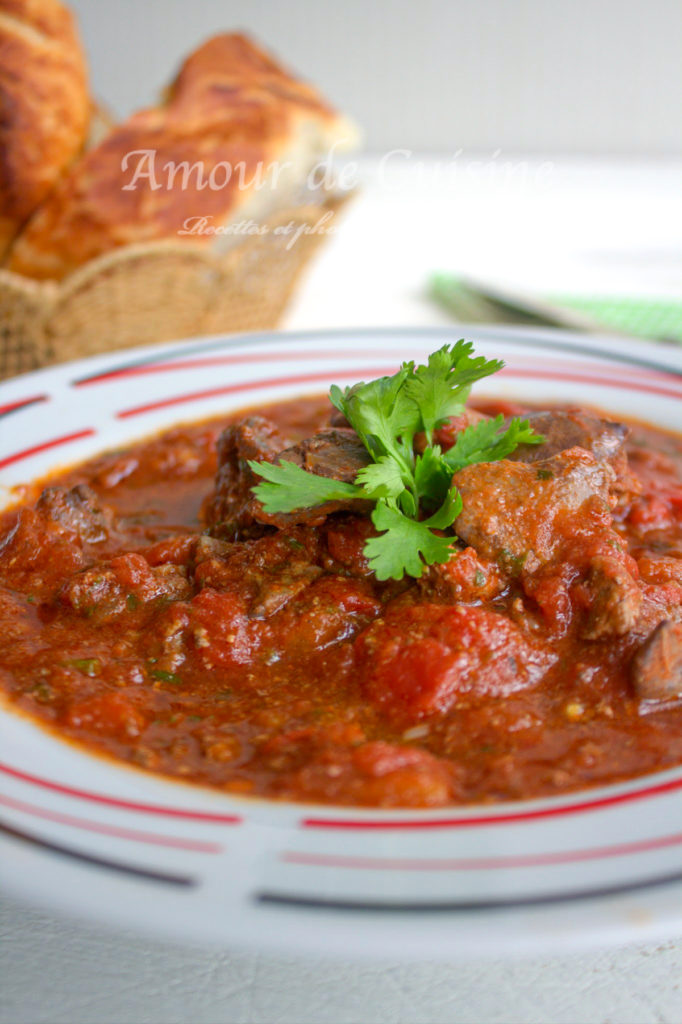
{"x":231,"y":106}
{"x":44,"y":105}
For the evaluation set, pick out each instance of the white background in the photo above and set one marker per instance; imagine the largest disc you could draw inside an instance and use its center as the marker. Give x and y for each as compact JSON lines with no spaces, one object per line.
{"x":587,"y":76}
{"x":66,"y":974}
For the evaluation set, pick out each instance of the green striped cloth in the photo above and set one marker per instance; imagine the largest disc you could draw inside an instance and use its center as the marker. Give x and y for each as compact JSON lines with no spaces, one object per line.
{"x":647,"y":318}
{"x":475,"y":302}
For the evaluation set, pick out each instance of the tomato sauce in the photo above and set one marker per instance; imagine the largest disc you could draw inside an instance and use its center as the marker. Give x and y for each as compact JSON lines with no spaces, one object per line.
{"x":280,"y":667}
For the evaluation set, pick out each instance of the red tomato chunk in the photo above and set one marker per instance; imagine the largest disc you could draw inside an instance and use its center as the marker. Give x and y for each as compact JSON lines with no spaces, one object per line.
{"x":421,"y":661}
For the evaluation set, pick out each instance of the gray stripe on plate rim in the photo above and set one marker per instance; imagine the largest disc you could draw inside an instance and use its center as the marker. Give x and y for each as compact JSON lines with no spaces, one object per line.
{"x":149,"y":874}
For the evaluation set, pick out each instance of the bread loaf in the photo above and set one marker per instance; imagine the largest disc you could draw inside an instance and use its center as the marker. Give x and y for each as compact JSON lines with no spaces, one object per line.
{"x":235,"y":136}
{"x":44,"y":105}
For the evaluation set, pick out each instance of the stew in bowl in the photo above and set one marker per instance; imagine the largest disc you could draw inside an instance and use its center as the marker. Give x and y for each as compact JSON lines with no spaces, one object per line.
{"x":473,"y":607}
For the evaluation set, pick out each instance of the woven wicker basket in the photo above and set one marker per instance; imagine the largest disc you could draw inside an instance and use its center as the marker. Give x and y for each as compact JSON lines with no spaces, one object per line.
{"x":159,"y":291}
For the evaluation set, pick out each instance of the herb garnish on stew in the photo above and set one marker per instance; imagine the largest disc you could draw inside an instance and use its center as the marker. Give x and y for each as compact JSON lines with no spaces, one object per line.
{"x":414,"y":498}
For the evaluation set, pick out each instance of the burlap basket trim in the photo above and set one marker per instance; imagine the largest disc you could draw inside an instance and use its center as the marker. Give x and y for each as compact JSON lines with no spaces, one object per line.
{"x":159,"y":291}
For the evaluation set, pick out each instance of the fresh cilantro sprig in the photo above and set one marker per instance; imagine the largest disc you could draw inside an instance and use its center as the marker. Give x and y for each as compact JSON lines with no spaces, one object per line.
{"x":415,"y":500}
{"x":488,"y":441}
{"x":287,"y":487}
{"x":405,"y":545}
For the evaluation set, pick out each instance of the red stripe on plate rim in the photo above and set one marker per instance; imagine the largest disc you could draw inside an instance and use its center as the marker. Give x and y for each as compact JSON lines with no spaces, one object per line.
{"x":112,"y":801}
{"x":149,"y":369}
{"x":251,"y":385}
{"x":20,"y":403}
{"x":473,"y":820}
{"x":480,"y":863}
{"x":44,"y":446}
{"x":175,"y":842}
{"x":509,"y":818}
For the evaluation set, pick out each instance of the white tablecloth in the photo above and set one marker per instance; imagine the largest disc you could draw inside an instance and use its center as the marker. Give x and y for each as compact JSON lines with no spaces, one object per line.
{"x":56,"y":972}
{"x":550,"y":225}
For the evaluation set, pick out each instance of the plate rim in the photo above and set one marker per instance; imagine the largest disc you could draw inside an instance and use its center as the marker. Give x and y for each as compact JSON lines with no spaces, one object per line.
{"x":549,"y":337}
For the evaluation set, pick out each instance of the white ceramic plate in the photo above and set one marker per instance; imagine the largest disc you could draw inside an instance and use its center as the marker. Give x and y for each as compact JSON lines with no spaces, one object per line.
{"x":111,"y":842}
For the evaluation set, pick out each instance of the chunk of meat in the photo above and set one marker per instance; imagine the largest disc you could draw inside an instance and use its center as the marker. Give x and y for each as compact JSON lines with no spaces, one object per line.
{"x":233,"y":512}
{"x":335,"y":453}
{"x":126,"y":582}
{"x":656,"y":669}
{"x":661,"y":602}
{"x":332,"y":609}
{"x":326,"y":612}
{"x":571,"y":428}
{"x":520,"y":515}
{"x":549,"y":524}
{"x":53,"y":540}
{"x":576,"y":428}
{"x":338,"y":419}
{"x":228,"y":509}
{"x":346,"y":537}
{"x":166,"y":645}
{"x":78,"y":511}
{"x":266,"y":573}
{"x":208,"y":548}
{"x":422,"y":660}
{"x":614,"y":597}
{"x":278,"y":580}
{"x":36,"y":555}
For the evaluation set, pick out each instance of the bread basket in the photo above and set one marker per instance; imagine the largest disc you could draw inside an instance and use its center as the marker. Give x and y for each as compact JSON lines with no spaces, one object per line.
{"x":160,"y":291}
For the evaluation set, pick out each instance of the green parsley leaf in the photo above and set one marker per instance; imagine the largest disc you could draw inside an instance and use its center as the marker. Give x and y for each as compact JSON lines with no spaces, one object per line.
{"x":89,"y":666}
{"x":382,"y":414}
{"x":406,"y":546}
{"x":441,"y":388}
{"x":432,"y":476}
{"x":166,"y":677}
{"x":381,"y":479}
{"x":488,"y":441}
{"x":286,"y":487}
